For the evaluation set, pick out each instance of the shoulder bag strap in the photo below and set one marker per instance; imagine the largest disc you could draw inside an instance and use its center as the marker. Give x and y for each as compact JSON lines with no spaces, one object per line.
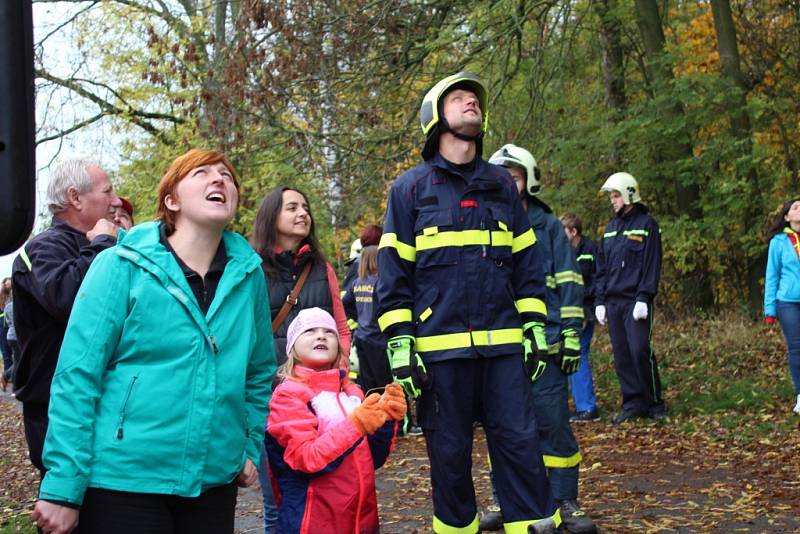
{"x":291,"y":298}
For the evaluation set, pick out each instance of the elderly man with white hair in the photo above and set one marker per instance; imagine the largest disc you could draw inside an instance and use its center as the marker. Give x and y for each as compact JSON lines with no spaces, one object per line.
{"x":46,"y":277}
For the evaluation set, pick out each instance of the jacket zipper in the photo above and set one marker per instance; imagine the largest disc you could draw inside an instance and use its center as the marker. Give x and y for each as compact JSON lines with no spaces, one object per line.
{"x":120,"y":433}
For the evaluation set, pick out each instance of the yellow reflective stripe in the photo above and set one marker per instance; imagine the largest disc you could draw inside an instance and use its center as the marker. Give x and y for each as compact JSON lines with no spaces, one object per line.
{"x":560,"y":461}
{"x":502,"y":226}
{"x":523,"y":241}
{"x":424,"y":315}
{"x":641,"y":232}
{"x":550,"y":281}
{"x":342,"y":294}
{"x":567,"y":312}
{"x":569,"y":276}
{"x":25,"y":259}
{"x":460,"y":340}
{"x":609,"y":234}
{"x":431,"y":231}
{"x":352,"y":375}
{"x":353,"y":324}
{"x":584,"y":257}
{"x":440,"y":527}
{"x":405,"y":251}
{"x":402,"y":315}
{"x":464,"y":238}
{"x":521,"y":527}
{"x":530,"y":305}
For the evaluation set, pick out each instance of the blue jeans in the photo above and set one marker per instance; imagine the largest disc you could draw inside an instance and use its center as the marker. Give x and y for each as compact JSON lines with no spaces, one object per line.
{"x":789,"y":316}
{"x":581,"y":381}
{"x":270,"y":509}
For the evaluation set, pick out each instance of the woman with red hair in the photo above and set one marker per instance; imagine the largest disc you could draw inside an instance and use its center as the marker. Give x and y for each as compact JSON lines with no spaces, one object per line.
{"x":159,"y":399}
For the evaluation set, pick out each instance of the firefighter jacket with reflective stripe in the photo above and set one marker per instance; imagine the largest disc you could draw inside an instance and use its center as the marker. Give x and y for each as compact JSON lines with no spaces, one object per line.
{"x":458,"y":264}
{"x":564,"y":294}
{"x":586,"y":251}
{"x":629,"y":258}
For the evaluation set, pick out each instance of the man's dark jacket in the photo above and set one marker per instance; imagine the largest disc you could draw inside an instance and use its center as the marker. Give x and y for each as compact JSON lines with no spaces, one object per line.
{"x":46,"y":277}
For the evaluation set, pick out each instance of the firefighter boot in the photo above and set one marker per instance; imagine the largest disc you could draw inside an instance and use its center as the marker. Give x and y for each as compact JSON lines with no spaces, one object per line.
{"x":543,"y":526}
{"x":492,"y":520}
{"x":574,"y":519}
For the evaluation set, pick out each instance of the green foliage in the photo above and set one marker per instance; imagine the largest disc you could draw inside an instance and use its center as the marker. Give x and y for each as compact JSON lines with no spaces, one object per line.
{"x":325,"y":97}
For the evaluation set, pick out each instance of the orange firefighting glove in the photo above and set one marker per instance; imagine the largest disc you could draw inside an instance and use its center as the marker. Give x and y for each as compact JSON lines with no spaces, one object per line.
{"x":369,"y":416}
{"x":393,"y":402}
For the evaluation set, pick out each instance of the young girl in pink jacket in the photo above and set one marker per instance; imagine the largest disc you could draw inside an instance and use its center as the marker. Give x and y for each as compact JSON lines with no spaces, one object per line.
{"x":324,"y":439}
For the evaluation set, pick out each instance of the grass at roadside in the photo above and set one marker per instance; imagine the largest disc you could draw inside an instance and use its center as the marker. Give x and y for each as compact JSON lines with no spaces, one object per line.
{"x":727,"y":369}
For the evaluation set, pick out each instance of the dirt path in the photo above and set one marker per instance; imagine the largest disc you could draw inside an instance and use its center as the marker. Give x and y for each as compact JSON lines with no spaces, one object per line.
{"x":635,"y":478}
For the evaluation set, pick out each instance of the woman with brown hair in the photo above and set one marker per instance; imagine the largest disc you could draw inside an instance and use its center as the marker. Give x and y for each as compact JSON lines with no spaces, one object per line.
{"x":160,"y":395}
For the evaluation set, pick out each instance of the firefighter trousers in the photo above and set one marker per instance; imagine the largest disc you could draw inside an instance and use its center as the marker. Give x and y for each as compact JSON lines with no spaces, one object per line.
{"x":559,"y":446}
{"x":634,"y":360}
{"x":495,"y":391}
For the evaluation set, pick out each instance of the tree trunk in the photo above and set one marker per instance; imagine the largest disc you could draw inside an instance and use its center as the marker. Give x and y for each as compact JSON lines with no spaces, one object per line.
{"x":696,"y":287}
{"x":613,"y":68}
{"x":741,"y":131}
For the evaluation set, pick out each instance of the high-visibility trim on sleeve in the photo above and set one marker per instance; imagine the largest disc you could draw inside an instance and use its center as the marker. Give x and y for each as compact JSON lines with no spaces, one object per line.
{"x":440,"y":527}
{"x":404,"y":250}
{"x":521,"y":527}
{"x":565,"y":277}
{"x":25,"y":259}
{"x":342,"y":293}
{"x":353,"y":324}
{"x":523,"y":241}
{"x":391,"y":317}
{"x":571,"y":312}
{"x":530,"y":305}
{"x":610,"y":234}
{"x":561,"y":461}
{"x":585,"y":257}
{"x":550,"y":281}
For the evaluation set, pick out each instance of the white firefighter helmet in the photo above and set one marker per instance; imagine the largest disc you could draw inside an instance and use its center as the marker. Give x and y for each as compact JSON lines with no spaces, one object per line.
{"x":512,"y":155}
{"x":625,"y":184}
{"x":355,"y":249}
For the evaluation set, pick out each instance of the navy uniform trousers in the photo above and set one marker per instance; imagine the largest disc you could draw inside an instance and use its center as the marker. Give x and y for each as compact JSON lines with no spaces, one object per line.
{"x":559,"y":446}
{"x":634,"y":359}
{"x":497,"y":392}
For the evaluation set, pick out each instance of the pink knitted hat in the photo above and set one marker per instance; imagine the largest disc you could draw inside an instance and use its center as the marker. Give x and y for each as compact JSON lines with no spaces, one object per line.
{"x":306,"y":320}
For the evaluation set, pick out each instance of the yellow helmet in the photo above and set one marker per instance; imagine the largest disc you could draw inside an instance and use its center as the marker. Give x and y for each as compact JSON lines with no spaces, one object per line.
{"x":429,"y":111}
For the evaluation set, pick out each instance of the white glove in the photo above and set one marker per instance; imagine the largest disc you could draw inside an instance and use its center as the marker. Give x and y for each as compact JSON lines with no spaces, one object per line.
{"x":639,"y":311}
{"x":600,"y":313}
{"x":354,"y":363}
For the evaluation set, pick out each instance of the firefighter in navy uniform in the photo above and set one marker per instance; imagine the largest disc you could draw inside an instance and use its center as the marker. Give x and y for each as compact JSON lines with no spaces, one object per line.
{"x":461,"y":298}
{"x":628,"y":270}
{"x":564,"y":300}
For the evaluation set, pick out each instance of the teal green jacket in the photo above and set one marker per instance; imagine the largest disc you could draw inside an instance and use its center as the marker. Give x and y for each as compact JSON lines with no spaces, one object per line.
{"x":149,"y":395}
